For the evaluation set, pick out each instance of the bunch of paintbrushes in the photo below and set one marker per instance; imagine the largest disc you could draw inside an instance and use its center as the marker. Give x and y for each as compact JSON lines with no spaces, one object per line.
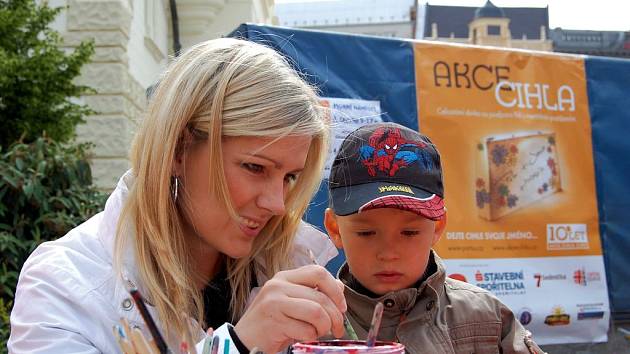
{"x":133,"y":341}
{"x":211,"y":346}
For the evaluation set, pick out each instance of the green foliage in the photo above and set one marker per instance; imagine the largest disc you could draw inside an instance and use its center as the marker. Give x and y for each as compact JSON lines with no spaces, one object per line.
{"x":4,"y":320}
{"x":45,"y":190}
{"x":36,"y":75}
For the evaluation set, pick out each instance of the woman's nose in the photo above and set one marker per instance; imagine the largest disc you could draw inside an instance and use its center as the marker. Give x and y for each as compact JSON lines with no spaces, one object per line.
{"x":272,"y":198}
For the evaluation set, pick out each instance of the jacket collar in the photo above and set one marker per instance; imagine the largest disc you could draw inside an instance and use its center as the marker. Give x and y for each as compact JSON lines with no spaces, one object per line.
{"x":106,"y":232}
{"x":398,"y":304}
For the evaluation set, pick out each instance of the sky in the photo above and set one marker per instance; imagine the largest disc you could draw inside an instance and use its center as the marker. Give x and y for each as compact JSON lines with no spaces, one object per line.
{"x":602,"y":15}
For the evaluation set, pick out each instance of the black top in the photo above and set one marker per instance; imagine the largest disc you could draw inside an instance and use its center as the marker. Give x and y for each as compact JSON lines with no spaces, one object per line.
{"x":216,"y":300}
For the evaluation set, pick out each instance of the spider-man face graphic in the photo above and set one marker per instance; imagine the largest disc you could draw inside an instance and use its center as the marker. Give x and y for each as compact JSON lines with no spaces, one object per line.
{"x":387,"y":140}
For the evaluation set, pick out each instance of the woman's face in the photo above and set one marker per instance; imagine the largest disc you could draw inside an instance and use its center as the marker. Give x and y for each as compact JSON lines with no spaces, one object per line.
{"x":258,"y":174}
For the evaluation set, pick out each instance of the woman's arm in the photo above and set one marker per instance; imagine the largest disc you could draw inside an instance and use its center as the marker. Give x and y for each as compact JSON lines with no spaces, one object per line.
{"x":299,"y":304}
{"x":48,"y":316}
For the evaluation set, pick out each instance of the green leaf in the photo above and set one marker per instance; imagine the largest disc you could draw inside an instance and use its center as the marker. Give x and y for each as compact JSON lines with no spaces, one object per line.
{"x":41,"y":167}
{"x":11,"y":180}
{"x":28,"y":189}
{"x":19,"y":164}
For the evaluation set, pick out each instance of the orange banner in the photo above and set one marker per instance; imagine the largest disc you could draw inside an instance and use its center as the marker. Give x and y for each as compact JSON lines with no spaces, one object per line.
{"x":514,"y":133}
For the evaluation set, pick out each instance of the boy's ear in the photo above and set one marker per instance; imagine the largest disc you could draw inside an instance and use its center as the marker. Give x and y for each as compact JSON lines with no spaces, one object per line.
{"x":332,"y":227}
{"x":440,"y":226}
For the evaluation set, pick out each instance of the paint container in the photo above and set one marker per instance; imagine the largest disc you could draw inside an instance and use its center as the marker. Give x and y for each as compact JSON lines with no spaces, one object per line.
{"x":347,"y":347}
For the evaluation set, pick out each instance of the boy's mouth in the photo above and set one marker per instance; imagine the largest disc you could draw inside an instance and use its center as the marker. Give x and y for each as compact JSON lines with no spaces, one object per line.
{"x":388,"y":276}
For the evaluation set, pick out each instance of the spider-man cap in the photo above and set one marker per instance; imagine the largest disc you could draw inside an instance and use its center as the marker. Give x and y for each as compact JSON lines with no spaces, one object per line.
{"x":387,"y":165}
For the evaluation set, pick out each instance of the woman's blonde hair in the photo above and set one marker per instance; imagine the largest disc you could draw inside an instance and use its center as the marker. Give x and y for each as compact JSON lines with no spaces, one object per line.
{"x":222,"y":87}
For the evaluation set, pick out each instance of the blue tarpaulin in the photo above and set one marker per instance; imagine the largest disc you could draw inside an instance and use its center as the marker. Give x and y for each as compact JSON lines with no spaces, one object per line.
{"x":608,"y":85}
{"x":370,"y":68}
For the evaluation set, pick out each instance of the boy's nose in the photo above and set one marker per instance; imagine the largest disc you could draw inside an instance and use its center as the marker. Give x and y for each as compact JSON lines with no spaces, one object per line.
{"x":387,"y":252}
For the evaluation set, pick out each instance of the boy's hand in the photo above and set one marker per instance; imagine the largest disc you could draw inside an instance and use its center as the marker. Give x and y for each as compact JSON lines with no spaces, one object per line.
{"x":295,"y":305}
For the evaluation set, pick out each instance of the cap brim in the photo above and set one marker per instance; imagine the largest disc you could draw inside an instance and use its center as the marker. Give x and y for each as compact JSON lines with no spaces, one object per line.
{"x":362,"y":197}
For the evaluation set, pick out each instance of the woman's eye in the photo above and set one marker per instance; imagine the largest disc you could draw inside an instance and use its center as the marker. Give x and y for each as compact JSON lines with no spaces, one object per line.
{"x":365,"y":233}
{"x":410,"y":233}
{"x":290,"y":178}
{"x":252,"y":167}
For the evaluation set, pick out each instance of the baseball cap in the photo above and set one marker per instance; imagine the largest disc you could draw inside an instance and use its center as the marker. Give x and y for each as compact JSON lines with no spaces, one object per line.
{"x":387,"y":165}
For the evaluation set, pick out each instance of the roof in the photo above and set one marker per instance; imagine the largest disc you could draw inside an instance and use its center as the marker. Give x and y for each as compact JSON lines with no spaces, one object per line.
{"x":455,"y":19}
{"x":489,"y":10}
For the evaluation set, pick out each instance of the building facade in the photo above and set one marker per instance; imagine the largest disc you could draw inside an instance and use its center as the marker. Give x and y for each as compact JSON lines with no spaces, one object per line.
{"x":602,"y":43}
{"x":393,"y":18}
{"x":525,"y":28}
{"x":134,"y":42}
{"x":489,"y":25}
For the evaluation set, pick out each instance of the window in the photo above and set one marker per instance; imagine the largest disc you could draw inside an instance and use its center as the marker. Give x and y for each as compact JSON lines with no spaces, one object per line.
{"x":494,"y":30}
{"x":154,"y":28}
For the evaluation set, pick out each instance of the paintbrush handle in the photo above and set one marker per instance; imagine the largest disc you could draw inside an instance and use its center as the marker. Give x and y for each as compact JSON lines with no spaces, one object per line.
{"x":140,"y":342}
{"x":144,"y":312}
{"x":346,"y":323}
{"x":375,"y":325}
{"x":351,"y":333}
{"x":207,"y":345}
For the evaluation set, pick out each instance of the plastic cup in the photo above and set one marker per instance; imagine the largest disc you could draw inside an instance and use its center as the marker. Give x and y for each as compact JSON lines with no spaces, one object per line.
{"x":347,"y":346}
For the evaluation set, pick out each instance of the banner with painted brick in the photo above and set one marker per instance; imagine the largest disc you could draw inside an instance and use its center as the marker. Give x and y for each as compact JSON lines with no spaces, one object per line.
{"x":514,"y":132}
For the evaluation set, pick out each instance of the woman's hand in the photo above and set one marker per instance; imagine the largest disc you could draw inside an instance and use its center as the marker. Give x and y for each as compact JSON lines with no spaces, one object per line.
{"x":295,"y":305}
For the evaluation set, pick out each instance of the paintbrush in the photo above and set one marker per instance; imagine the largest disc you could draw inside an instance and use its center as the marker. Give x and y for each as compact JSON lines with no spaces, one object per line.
{"x":375,"y":325}
{"x":346,"y":323}
{"x":155,"y":332}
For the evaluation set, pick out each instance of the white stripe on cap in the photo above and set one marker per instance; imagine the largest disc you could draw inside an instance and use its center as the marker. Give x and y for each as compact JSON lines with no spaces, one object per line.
{"x":396,"y":195}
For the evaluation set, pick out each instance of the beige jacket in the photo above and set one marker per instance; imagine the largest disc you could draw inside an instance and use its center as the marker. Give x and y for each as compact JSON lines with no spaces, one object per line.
{"x":441,"y":315}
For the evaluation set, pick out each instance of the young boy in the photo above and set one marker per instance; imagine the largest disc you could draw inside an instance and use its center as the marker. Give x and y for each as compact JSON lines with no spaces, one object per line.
{"x":386,"y":213}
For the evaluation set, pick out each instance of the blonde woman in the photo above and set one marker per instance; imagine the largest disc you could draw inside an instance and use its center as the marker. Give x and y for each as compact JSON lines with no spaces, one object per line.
{"x":207,"y":223}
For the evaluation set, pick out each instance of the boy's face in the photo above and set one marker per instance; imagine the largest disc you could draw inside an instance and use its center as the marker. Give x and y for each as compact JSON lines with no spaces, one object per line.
{"x":386,"y":249}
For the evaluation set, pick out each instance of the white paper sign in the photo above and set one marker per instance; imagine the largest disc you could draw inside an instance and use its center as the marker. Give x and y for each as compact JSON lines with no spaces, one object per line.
{"x":347,"y":115}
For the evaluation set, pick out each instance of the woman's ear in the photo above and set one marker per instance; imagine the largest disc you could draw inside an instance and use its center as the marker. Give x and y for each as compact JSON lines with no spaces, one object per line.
{"x":332,"y":227}
{"x":180,"y":156}
{"x":178,"y":165}
{"x":440,"y":226}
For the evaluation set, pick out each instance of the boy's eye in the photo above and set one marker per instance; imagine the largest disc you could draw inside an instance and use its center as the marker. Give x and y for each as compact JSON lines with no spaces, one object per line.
{"x":365,"y":233}
{"x":252,"y":167}
{"x":410,"y":233}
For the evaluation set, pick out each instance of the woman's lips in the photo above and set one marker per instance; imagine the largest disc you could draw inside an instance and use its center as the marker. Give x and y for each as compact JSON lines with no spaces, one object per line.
{"x":249,"y":226}
{"x":388,"y":276}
